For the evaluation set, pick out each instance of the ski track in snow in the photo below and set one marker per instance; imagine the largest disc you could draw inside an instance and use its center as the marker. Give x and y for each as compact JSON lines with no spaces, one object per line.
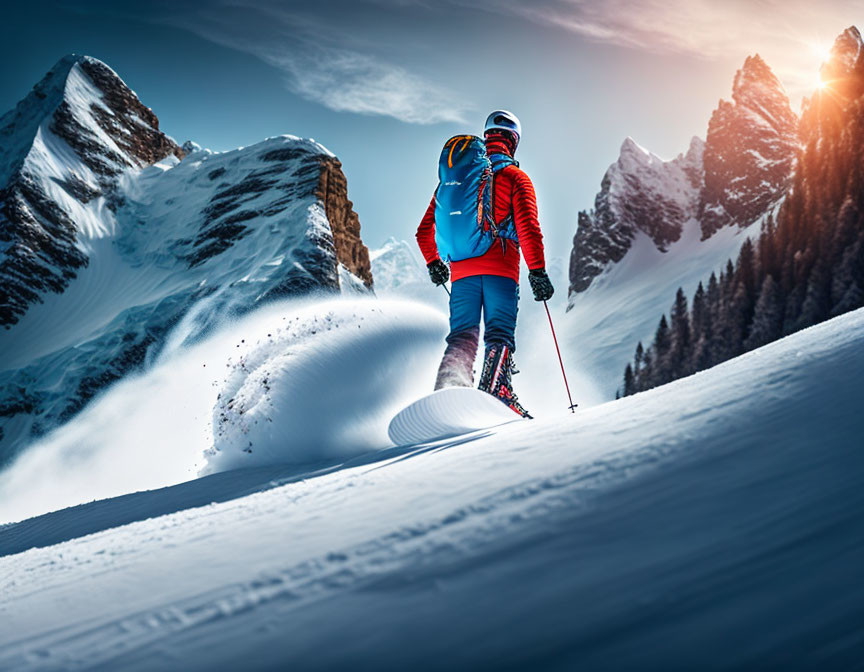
{"x":713,"y":522}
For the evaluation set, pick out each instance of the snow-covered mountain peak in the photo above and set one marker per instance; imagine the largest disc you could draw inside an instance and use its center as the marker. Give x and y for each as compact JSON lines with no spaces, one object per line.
{"x":842,"y":75}
{"x":190,"y":147}
{"x":399,"y":269}
{"x":640,"y":193}
{"x":696,"y":147}
{"x":86,"y":105}
{"x":730,"y":178}
{"x":65,"y":146}
{"x":391,"y":246}
{"x":632,"y":150}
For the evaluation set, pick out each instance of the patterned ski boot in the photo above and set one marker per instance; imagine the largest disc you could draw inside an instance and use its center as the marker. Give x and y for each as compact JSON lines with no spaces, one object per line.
{"x":496,"y":377}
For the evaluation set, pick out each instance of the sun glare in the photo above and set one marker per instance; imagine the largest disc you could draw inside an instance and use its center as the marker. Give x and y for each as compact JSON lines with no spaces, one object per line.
{"x":822,"y":50}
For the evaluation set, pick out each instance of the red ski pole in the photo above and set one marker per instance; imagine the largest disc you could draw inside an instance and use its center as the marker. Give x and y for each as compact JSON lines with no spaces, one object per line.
{"x":572,"y":406}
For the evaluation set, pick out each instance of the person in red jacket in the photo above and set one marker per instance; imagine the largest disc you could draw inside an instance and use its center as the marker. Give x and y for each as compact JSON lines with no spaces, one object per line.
{"x":489,"y":284}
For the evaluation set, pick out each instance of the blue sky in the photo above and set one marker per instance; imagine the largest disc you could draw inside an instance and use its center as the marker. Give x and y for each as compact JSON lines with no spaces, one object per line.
{"x":383,"y":83}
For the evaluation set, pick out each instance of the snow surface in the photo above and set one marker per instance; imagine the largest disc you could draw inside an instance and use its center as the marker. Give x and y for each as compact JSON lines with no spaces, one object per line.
{"x":710,"y":523}
{"x":323,"y":384}
{"x":624,"y":304}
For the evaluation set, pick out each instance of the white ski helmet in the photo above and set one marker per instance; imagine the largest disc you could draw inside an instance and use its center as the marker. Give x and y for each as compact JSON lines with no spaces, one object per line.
{"x":502,"y":120}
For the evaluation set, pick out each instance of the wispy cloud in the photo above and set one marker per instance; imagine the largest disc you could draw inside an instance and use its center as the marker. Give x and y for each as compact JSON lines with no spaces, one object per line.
{"x":319,"y":63}
{"x":357,"y":55}
{"x":790,"y":34}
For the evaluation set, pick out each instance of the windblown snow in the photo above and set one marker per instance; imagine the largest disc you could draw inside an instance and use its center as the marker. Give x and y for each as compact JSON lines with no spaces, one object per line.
{"x":302,"y":381}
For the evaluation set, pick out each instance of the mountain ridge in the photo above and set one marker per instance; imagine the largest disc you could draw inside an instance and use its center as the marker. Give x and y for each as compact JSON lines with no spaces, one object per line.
{"x":751,"y":142}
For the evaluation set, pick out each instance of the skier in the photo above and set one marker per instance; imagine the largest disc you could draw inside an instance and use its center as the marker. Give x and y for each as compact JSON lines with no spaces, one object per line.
{"x":484,"y":278}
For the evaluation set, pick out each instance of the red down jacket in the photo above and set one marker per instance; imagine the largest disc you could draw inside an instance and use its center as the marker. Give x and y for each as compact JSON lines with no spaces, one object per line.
{"x":514,"y":193}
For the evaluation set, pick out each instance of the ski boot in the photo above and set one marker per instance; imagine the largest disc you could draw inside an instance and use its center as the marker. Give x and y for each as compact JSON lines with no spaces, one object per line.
{"x":457,"y":365}
{"x":496,"y":377}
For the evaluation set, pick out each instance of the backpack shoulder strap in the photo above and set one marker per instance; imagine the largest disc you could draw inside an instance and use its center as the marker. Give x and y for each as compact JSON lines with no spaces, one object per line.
{"x":505,"y":229}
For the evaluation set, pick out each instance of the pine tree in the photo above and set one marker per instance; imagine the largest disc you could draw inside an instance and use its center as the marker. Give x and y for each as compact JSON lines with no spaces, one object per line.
{"x":768,"y":321}
{"x":817,"y":299}
{"x":629,"y":381}
{"x":662,"y":345}
{"x":679,"y":349}
{"x":700,"y":331}
{"x":745,"y":274}
{"x":853,"y":298}
{"x":699,"y":314}
{"x":646,"y":376}
{"x":737,"y":323}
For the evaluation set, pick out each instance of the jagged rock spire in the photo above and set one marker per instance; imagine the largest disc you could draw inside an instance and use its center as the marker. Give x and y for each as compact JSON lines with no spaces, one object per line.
{"x":750,"y":149}
{"x":845,"y":55}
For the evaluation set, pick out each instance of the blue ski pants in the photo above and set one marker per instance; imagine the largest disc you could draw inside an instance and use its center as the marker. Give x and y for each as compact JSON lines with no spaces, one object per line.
{"x":498,"y":299}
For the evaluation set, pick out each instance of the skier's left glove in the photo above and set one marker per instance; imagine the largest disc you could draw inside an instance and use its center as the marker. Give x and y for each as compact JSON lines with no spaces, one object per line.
{"x":438,"y":271}
{"x":541,"y":285}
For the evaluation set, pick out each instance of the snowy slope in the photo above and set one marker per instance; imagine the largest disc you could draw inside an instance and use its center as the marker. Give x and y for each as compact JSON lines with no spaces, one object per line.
{"x":710,"y":523}
{"x":146,"y":241}
{"x":623,"y":306}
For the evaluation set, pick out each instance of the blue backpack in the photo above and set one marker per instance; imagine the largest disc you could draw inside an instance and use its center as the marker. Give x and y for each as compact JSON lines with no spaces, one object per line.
{"x":465,"y":225}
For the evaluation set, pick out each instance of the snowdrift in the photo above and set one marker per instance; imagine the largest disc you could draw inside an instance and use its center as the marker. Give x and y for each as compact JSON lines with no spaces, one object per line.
{"x":710,"y":523}
{"x":296,"y":382}
{"x":322,"y":384}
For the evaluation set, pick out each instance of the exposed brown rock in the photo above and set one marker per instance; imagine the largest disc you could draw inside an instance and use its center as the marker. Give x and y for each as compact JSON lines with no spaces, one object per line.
{"x":142,"y":140}
{"x":333,"y":193}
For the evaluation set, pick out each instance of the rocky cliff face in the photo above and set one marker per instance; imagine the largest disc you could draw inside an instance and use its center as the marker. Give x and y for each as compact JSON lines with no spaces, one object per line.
{"x":62,"y":148}
{"x":731,"y":179}
{"x":333,"y":192}
{"x":113,"y":239}
{"x":639,"y":193}
{"x":843,"y":73}
{"x":750,"y":150}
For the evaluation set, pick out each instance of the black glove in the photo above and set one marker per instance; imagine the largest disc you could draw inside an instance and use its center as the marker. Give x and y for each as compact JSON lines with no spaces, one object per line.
{"x":438,"y":271}
{"x":541,"y":285}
